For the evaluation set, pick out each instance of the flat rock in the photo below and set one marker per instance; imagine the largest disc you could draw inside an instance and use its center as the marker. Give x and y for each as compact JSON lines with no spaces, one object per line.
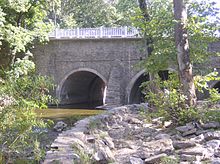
{"x":132,"y":120}
{"x":183,"y":144}
{"x":135,"y":160}
{"x":214,"y":144}
{"x":155,"y":159}
{"x":189,"y":158}
{"x":212,"y":135}
{"x":185,"y":128}
{"x":189,"y":132}
{"x":211,"y":125}
{"x":160,"y":146}
{"x":162,"y":136}
{"x":197,"y":151}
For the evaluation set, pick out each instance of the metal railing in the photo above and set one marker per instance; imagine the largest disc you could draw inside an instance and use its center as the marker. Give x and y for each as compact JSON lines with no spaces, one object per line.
{"x":101,"y":32}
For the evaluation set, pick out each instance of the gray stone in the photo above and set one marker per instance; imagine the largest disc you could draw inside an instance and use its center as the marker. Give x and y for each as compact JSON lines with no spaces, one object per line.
{"x":217,"y":153}
{"x":212,"y":135}
{"x":155,"y":159}
{"x":90,"y":139}
{"x":214,"y":144}
{"x":160,"y":146}
{"x":108,"y":155}
{"x":189,"y":158}
{"x":197,"y":151}
{"x":216,"y":161}
{"x":198,"y":139}
{"x":162,"y":136}
{"x":210,"y":125}
{"x":189,"y":132}
{"x":99,"y":156}
{"x":135,"y":160}
{"x":60,"y":126}
{"x":183,"y":144}
{"x":108,"y":141}
{"x":132,"y":120}
{"x":185,"y":128}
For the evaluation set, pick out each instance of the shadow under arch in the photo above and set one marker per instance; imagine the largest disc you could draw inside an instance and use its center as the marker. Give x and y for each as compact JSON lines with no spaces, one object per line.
{"x":134,"y":94}
{"x":82,"y":88}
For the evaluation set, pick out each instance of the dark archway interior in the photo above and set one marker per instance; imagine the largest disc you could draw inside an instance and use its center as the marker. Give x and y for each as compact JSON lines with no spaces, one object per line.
{"x":82,"y":89}
{"x":136,"y":96}
{"x":164,"y":75}
{"x":217,"y":86}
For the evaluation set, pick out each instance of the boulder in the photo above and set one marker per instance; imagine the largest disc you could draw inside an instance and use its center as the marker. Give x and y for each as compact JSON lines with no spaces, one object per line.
{"x":60,"y":126}
{"x":135,"y":160}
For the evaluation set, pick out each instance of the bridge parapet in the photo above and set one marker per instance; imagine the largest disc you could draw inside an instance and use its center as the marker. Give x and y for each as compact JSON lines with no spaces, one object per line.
{"x":101,"y":32}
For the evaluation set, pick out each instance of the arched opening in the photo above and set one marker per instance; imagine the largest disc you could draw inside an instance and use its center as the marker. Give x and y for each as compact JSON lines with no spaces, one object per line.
{"x":136,"y":95}
{"x":82,"y":89}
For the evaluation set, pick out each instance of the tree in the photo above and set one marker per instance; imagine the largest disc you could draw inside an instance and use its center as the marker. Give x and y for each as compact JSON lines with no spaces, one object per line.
{"x":161,"y":26}
{"x":23,"y":25}
{"x":183,"y":54}
{"x":94,"y":13}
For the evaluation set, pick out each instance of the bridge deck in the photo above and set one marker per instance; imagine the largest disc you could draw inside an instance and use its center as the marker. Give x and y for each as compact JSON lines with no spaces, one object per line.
{"x":101,"y":32}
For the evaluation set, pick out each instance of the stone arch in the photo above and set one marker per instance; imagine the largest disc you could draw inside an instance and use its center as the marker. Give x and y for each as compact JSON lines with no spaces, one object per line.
{"x":133,"y":91}
{"x":82,"y":88}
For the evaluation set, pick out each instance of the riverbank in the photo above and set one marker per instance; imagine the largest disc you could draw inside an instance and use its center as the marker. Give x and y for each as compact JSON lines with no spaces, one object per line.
{"x":122,"y":135}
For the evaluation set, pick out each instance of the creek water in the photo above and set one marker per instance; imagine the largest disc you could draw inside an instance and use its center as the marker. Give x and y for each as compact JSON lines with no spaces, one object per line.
{"x":62,"y":113}
{"x":48,"y":135}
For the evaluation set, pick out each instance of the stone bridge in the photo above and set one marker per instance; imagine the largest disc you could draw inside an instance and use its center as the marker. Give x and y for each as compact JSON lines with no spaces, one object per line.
{"x":94,"y":67}
{"x":93,"y":70}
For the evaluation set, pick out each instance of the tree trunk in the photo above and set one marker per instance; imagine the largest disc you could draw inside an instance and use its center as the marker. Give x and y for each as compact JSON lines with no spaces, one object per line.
{"x":183,"y":55}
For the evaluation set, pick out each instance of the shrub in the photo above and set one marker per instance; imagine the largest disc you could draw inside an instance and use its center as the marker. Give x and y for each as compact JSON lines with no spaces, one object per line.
{"x":28,"y":92}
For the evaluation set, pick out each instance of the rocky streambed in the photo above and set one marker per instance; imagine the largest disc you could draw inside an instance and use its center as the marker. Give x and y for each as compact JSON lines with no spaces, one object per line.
{"x":121,"y":135}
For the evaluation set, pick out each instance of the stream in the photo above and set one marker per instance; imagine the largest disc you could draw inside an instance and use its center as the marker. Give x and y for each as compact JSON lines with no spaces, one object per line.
{"x":69,"y":116}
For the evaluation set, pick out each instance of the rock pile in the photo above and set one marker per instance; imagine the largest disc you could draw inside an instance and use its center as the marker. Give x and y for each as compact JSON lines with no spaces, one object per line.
{"x":121,"y":135}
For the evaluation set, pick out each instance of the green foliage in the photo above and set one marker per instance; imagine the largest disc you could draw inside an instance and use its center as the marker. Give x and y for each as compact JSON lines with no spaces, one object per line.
{"x":169,"y":160}
{"x":27,"y":92}
{"x":94,"y":13}
{"x":22,"y":23}
{"x":168,"y":102}
{"x":160,"y":28}
{"x":84,"y":157}
{"x":201,"y":83}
